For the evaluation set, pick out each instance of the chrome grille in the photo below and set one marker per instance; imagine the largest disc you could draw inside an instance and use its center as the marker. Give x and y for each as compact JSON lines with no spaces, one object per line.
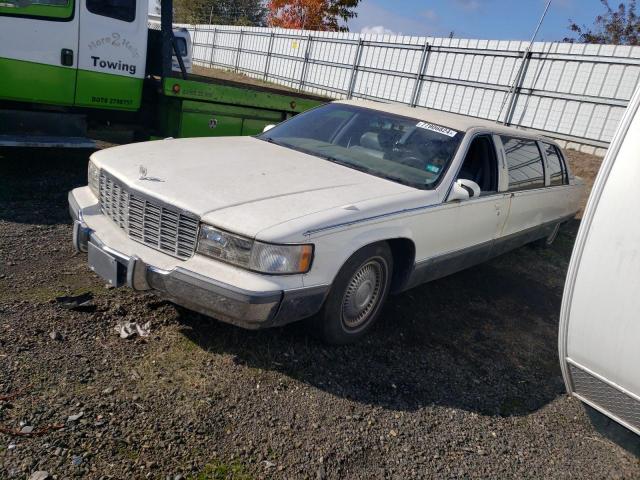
{"x":148,"y":221}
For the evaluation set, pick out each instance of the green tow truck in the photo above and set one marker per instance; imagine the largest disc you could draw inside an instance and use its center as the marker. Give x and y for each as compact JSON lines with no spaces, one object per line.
{"x":74,"y":69}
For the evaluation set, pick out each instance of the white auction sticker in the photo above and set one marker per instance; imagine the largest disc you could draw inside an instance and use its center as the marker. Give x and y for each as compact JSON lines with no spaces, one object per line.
{"x":437,"y":128}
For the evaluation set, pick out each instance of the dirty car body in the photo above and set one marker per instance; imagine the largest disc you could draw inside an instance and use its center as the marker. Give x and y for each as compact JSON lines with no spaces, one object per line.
{"x":324,"y":214}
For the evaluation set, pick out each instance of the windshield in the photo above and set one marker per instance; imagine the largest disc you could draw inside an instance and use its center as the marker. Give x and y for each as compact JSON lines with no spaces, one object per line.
{"x":402,"y":149}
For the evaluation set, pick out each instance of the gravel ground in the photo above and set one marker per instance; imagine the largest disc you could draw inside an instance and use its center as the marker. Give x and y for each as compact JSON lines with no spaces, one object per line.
{"x":460,"y":378}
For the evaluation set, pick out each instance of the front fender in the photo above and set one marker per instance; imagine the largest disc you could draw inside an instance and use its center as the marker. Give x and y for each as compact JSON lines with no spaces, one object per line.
{"x":333,"y":249}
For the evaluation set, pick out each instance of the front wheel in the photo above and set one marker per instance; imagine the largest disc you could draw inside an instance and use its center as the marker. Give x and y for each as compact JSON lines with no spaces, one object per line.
{"x":356,"y":296}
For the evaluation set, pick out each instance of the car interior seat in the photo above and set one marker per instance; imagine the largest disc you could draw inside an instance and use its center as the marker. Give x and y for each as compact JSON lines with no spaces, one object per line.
{"x":477,"y":164}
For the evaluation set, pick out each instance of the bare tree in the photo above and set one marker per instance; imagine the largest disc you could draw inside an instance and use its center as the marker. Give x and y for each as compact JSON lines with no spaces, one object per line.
{"x":620,"y":26}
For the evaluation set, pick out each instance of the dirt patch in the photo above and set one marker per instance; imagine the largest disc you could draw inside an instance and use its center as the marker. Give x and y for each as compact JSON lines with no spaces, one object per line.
{"x":460,"y":378}
{"x":585,"y":166}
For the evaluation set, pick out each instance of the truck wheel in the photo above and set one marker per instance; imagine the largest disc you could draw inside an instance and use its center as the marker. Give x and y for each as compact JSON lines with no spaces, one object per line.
{"x":356,"y":296}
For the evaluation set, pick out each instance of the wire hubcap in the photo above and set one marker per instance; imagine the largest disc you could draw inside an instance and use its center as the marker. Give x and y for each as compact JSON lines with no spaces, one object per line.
{"x":362,"y":294}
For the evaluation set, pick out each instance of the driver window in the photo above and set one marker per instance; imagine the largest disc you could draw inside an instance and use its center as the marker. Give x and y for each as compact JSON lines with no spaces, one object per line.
{"x":480,"y":165}
{"x":124,"y":10}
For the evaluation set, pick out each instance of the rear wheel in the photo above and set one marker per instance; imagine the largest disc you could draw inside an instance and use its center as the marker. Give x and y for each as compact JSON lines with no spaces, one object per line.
{"x":356,"y":296}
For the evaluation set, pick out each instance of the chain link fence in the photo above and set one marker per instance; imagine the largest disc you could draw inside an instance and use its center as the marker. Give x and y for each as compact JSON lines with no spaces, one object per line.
{"x":575,"y":93}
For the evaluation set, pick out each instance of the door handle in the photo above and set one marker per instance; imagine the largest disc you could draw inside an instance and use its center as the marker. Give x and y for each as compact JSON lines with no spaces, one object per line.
{"x":66,"y":57}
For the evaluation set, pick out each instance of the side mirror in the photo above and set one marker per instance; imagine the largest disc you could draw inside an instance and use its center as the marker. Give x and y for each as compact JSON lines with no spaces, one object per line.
{"x":464,"y":189}
{"x":267,"y":128}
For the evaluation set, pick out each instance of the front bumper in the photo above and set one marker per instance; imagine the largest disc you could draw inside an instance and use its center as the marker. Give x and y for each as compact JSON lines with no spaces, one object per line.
{"x":195,"y":291}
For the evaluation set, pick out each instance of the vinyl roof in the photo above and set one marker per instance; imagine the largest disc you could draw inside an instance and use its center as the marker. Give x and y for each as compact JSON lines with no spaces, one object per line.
{"x":451,"y":120}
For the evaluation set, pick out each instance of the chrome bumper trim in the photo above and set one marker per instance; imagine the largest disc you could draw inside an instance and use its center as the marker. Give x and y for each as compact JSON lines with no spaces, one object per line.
{"x":225,"y":302}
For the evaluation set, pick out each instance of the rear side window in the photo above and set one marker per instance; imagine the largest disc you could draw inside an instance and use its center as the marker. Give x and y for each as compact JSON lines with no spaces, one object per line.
{"x":555,"y":163}
{"x":124,"y":10}
{"x":524,"y":161}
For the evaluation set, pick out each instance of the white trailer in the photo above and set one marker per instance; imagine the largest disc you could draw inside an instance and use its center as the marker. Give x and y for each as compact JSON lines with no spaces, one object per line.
{"x":599,"y":337}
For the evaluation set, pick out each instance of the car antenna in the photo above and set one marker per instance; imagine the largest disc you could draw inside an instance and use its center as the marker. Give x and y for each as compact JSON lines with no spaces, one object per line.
{"x":512,"y":89}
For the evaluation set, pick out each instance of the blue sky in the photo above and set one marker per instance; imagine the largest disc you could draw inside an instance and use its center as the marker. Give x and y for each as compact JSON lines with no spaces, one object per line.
{"x":489,"y":19}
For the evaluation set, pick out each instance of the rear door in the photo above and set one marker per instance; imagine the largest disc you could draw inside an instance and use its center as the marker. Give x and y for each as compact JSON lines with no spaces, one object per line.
{"x":112,"y":53}
{"x":38,"y":50}
{"x":559,"y":193}
{"x":530,"y":203}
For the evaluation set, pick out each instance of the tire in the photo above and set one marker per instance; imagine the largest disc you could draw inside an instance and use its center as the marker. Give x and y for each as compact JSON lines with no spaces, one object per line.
{"x":356,"y":296}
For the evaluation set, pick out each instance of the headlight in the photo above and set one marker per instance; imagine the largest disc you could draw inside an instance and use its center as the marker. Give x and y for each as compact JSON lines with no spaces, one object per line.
{"x":252,"y":254}
{"x":93,"y":178}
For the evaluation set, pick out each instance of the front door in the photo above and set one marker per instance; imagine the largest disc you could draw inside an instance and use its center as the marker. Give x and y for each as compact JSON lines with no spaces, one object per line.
{"x":112,"y":53}
{"x":38,"y":50}
{"x":461,"y":234}
{"x":479,"y":221}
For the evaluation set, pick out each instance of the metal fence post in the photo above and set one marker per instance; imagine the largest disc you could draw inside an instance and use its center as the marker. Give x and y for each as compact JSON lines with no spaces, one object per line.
{"x":354,"y":69}
{"x":213,"y":46}
{"x":195,"y":37}
{"x":305,"y":65}
{"x":239,"y":50}
{"x":424,"y":61}
{"x":522,"y":73}
{"x":269,"y":52}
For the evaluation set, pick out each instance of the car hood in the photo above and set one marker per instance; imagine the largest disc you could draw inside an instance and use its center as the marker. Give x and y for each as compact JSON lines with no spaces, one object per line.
{"x":241,"y":184}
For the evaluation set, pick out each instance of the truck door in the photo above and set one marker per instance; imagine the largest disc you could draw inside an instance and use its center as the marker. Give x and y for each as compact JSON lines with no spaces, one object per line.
{"x":111,"y":53}
{"x":38,"y":50}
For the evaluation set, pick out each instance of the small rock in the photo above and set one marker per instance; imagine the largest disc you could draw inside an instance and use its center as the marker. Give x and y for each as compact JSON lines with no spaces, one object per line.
{"x":321,"y":474}
{"x":76,"y":460}
{"x":73,"y":418}
{"x":55,"y":335}
{"x":26,"y":429}
{"x":39,"y":475}
{"x":269,"y":464}
{"x":393,"y":433}
{"x":108,"y":391}
{"x":11,"y":446}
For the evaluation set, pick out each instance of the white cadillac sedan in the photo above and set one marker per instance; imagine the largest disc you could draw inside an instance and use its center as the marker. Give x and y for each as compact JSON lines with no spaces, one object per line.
{"x":321,"y":216}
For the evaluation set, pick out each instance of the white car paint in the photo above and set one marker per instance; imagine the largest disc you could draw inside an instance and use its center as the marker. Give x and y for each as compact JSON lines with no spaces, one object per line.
{"x":274,"y":194}
{"x":599,"y":337}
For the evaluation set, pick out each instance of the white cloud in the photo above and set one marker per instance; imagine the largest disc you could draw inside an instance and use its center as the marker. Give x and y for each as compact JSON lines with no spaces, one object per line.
{"x":376,"y":30}
{"x":429,"y":14}
{"x":468,"y":5}
{"x":382,"y":20}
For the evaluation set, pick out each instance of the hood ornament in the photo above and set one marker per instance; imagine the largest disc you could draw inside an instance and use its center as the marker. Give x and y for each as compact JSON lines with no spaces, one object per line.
{"x":142,"y":170}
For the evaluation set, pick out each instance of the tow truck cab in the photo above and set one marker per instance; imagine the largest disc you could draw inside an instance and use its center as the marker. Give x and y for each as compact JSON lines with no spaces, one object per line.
{"x":84,"y":53}
{"x":71,"y":68}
